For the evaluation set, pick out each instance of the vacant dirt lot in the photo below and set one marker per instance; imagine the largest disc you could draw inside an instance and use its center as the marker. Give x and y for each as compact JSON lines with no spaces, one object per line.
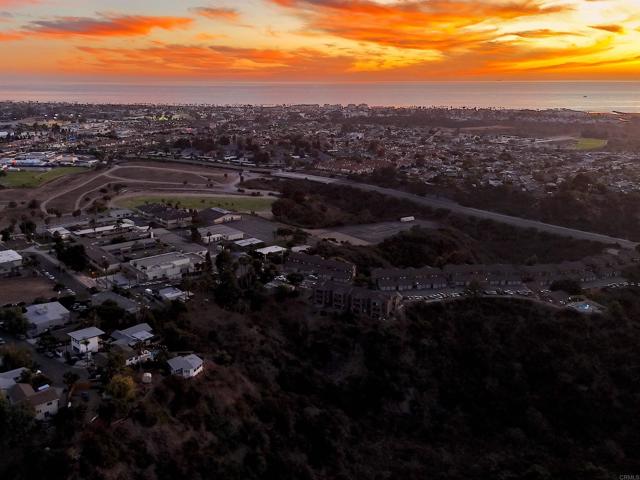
{"x":24,"y":289}
{"x":215,"y":175}
{"x":152,"y":175}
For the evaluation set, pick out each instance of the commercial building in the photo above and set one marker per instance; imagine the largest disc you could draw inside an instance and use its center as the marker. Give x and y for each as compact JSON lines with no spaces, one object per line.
{"x":217,"y":216}
{"x":218,"y":233}
{"x":46,"y":316}
{"x":168,"y":266}
{"x":248,"y":244}
{"x":168,"y":217}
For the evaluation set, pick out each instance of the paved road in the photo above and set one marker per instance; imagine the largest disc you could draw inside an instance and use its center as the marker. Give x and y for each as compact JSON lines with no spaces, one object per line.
{"x":53,"y":368}
{"x":434,"y":202}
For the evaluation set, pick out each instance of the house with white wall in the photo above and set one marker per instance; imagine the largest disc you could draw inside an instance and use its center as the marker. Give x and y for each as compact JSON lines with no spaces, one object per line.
{"x":45,"y":402}
{"x":86,"y":340}
{"x":187,"y":366}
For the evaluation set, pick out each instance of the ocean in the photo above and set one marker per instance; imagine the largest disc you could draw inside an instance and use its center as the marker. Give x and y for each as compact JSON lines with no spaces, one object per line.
{"x":585,"y":96}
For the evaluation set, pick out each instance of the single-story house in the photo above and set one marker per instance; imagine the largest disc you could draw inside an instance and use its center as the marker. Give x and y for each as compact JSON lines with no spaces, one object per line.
{"x":10,"y":378}
{"x":10,"y":263}
{"x":140,"y":333}
{"x":187,"y":366}
{"x":131,"y":356}
{"x":124,"y":303}
{"x":171,"y":293}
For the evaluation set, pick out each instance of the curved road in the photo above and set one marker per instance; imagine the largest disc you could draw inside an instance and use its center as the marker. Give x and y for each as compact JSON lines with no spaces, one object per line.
{"x":469,"y":211}
{"x":111,"y":174}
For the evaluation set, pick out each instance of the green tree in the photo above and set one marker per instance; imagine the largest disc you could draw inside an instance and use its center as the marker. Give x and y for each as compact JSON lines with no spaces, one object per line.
{"x":16,"y":421}
{"x":15,"y":357}
{"x":223,"y":261}
{"x":227,"y":293}
{"x":115,"y":364}
{"x":572,"y":287}
{"x":14,"y":321}
{"x":70,"y":378}
{"x":110,"y":315}
{"x":474,"y":289}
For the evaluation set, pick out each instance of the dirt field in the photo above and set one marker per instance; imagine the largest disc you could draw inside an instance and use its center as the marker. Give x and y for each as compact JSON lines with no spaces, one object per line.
{"x":216,"y":175}
{"x":24,"y":289}
{"x":152,"y":175}
{"x":236,"y":203}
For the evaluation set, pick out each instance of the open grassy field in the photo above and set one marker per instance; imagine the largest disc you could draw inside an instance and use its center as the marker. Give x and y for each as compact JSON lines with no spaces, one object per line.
{"x":33,"y":179}
{"x":590,"y":143}
{"x":235,"y":203}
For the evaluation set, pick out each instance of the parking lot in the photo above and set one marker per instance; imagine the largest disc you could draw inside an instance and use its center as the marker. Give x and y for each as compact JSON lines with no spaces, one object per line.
{"x":377,"y":232}
{"x":258,"y":227}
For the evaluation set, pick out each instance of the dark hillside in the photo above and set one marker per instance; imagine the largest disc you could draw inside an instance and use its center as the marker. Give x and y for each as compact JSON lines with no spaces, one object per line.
{"x":473,"y":389}
{"x":460,"y":239}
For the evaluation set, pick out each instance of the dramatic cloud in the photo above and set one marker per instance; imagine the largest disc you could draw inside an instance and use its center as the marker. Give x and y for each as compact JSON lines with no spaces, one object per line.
{"x":328,"y":39}
{"x":106,"y":26}
{"x":420,"y":24}
{"x":221,"y":61}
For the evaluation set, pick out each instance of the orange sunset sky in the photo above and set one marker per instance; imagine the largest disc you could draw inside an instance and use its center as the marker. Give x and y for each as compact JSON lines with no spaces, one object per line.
{"x":321,"y":40}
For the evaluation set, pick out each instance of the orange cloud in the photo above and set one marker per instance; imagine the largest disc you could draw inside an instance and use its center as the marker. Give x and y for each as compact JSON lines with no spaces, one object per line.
{"x":218,"y":13}
{"x":416,"y":24}
{"x":609,"y":28}
{"x":212,"y":62}
{"x":9,"y":36}
{"x":105,"y":26}
{"x":17,"y":3}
